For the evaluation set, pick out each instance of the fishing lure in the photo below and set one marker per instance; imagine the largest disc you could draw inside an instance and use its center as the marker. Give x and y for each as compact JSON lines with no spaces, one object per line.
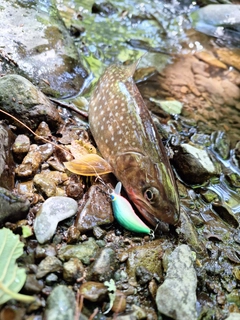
{"x":125,"y":215}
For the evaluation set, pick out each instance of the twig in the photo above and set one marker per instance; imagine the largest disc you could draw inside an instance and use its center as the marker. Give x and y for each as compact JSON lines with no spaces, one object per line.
{"x":70,"y":106}
{"x":35,"y":134}
{"x":95,"y":311}
{"x":79,"y":305}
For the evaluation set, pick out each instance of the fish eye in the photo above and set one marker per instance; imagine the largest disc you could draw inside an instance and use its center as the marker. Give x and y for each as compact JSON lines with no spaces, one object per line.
{"x":151,"y":194}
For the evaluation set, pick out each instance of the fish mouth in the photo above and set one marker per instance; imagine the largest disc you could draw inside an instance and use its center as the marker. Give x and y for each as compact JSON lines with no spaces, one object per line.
{"x":168,"y":214}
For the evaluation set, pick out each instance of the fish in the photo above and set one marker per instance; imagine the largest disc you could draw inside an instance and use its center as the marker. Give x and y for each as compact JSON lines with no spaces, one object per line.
{"x":127,"y":139}
{"x":125,"y":215}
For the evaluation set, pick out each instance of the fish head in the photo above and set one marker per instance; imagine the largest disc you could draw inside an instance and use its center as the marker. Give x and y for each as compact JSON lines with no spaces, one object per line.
{"x":150,"y":188}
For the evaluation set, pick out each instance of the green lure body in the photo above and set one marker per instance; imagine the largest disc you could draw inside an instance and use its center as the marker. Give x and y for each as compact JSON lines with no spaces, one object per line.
{"x":125,"y":215}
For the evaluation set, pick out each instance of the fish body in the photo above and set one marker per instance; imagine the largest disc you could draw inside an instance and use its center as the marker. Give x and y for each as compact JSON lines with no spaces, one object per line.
{"x":125,"y":215}
{"x":128,"y":140}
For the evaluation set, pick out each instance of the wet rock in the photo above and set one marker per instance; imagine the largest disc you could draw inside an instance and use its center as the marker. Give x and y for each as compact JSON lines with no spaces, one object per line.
{"x":193,"y":164}
{"x":55,"y":164}
{"x":48,"y":265}
{"x":83,"y":251}
{"x":47,"y":182}
{"x":96,"y":209}
{"x":52,"y":211}
{"x":73,"y":235}
{"x":143,"y":275}
{"x":93,"y":291}
{"x":42,"y":251}
{"x":104,"y":265}
{"x":137,"y":314}
{"x":41,"y":47}
{"x":176,"y":297}
{"x":32,"y":285}
{"x":51,"y":278}
{"x":21,"y":146}
{"x":30,"y":163}
{"x":74,"y":190}
{"x":146,"y":256}
{"x":187,"y":231}
{"x":12,"y":206}
{"x":21,"y":98}
{"x":99,"y":233}
{"x":201,"y":139}
{"x":221,"y":144}
{"x":120,"y":303}
{"x":46,"y":150}
{"x":72,"y":270}
{"x":6,"y":160}
{"x":42,"y":131}
{"x":60,"y":304}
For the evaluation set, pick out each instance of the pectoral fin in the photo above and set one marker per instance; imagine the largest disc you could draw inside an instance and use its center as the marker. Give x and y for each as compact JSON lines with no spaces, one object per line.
{"x":89,"y":165}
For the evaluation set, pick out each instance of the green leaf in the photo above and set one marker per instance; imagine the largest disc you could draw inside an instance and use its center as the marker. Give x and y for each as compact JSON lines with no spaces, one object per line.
{"x":111,"y":293}
{"x":169,"y":106}
{"x":12,"y":278}
{"x":27,"y":231}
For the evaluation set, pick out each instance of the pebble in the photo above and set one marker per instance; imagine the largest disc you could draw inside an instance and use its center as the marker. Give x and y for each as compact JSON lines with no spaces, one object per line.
{"x":53,"y":210}
{"x":12,"y":206}
{"x":48,"y":265}
{"x":31,"y":162}
{"x":104,"y":265}
{"x":72,"y":270}
{"x":21,"y":145}
{"x":73,"y":234}
{"x":93,"y":291}
{"x":60,"y":304}
{"x":221,"y":144}
{"x":47,"y":181}
{"x":46,"y":150}
{"x":146,"y":256}
{"x":95,"y":211}
{"x":176,"y":297}
{"x":193,"y":164}
{"x":42,"y":251}
{"x":120,"y":302}
{"x":32,"y":284}
{"x":84,"y":251}
{"x":51,"y":278}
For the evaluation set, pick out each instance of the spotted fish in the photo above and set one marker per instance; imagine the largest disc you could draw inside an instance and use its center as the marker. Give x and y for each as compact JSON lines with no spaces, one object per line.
{"x":128,"y":140}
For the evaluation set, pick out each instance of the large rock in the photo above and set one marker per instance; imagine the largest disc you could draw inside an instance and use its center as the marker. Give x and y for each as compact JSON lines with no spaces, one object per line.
{"x":194,"y":164}
{"x":35,"y":43}
{"x":53,"y":210}
{"x":60,"y":304}
{"x":176,"y":297}
{"x":22,"y":99}
{"x":12,"y":206}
